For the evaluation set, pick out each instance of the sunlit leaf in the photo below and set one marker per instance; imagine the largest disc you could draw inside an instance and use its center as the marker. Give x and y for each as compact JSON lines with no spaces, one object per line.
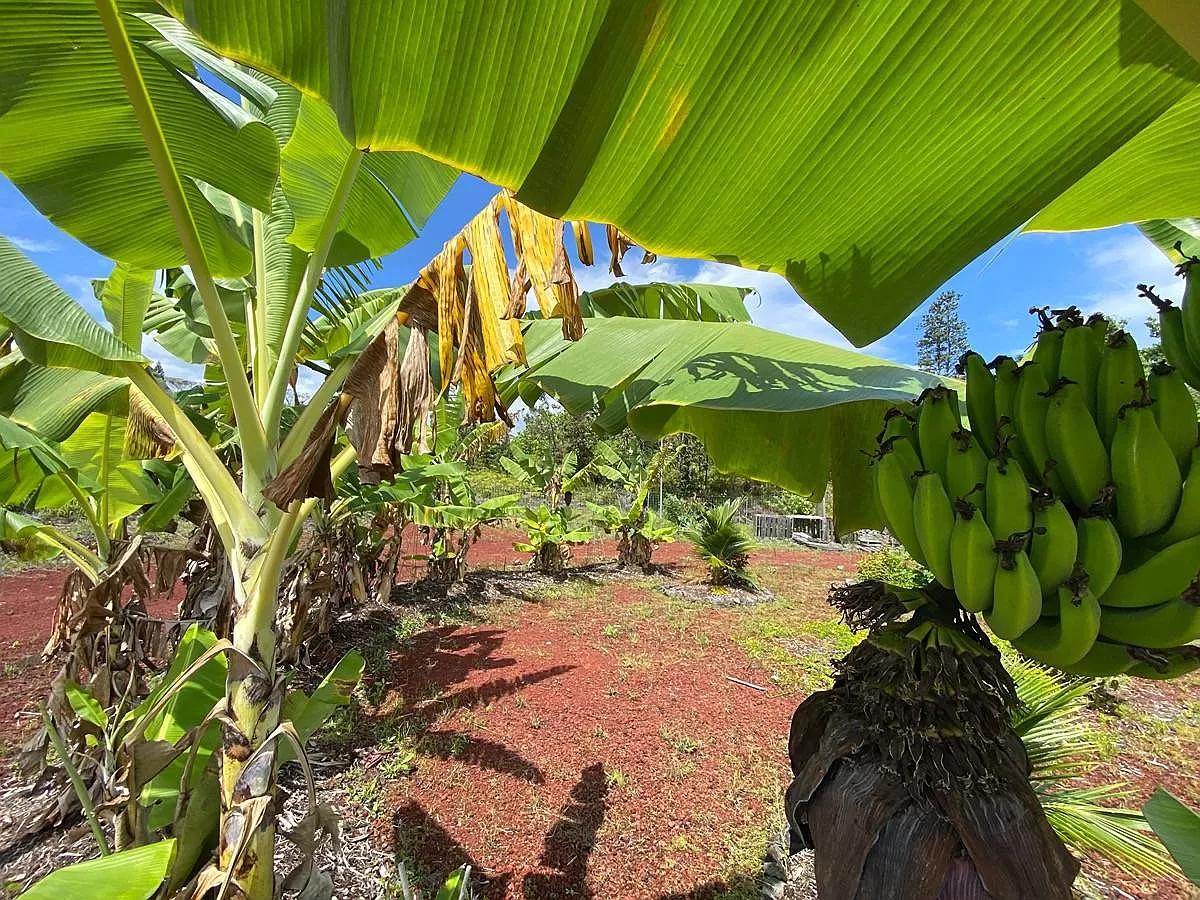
{"x":50,"y":328}
{"x":130,"y":875}
{"x":69,"y":140}
{"x":867,"y":151}
{"x":1179,"y":828}
{"x":766,"y":405}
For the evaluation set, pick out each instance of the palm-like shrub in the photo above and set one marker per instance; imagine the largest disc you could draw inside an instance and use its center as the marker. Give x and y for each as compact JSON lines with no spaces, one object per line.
{"x":1061,"y":746}
{"x":723,"y":544}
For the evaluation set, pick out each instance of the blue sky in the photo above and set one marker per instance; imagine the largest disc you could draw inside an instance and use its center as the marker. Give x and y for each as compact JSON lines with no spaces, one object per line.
{"x":1094,"y":270}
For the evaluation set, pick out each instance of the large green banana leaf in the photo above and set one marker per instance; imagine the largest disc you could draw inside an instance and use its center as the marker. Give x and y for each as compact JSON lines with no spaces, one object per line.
{"x":391,"y":198}
{"x":766,"y":405}
{"x":50,"y":327}
{"x":1148,"y":178}
{"x":657,"y":300}
{"x":129,"y":875}
{"x":124,"y":297}
{"x":866,"y":150}
{"x":69,"y":140}
{"x":97,"y":452}
{"x":1166,"y":233}
{"x":52,"y":402}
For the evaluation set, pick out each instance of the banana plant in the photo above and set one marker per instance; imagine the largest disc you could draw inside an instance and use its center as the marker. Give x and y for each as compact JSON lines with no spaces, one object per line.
{"x":263,"y":198}
{"x":453,"y":527}
{"x":555,"y":476}
{"x":258,"y":201}
{"x":637,"y":528}
{"x":549,"y":534}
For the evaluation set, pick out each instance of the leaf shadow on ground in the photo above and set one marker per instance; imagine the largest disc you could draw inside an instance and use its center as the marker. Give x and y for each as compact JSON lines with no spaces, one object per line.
{"x":413,"y":682}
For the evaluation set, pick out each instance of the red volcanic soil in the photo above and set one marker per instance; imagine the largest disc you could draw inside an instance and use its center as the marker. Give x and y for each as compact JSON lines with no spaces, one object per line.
{"x":564,"y":763}
{"x":28,"y":600}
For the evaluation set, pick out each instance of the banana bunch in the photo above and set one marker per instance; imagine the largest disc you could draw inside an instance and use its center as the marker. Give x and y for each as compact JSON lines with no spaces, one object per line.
{"x":1179,"y":326}
{"x":1068,"y":513}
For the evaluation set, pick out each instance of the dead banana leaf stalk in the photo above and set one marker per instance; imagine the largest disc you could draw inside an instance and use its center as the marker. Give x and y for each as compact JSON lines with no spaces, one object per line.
{"x":475,"y":304}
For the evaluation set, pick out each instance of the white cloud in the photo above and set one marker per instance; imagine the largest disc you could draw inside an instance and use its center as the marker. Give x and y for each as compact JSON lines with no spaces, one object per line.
{"x":172,"y":366}
{"x":776,"y":305}
{"x":1116,"y":267}
{"x":307,"y":382}
{"x":33,"y":245}
{"x":80,"y":288}
{"x":597,"y":276}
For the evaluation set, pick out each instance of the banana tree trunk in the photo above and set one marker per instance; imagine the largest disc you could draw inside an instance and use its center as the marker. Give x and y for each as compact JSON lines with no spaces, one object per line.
{"x":634,"y":550}
{"x":248,"y":751}
{"x":551,"y":559}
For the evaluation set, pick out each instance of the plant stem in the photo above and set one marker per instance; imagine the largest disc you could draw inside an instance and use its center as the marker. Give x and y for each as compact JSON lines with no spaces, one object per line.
{"x":298,"y":316}
{"x":260,"y":358}
{"x":250,"y":428}
{"x":232,"y":515}
{"x":81,"y":791}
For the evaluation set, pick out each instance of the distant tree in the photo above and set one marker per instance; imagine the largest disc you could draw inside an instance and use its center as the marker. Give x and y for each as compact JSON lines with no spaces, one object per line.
{"x":1153,"y":351}
{"x":1115,"y":324}
{"x":943,"y":335}
{"x":550,"y":430}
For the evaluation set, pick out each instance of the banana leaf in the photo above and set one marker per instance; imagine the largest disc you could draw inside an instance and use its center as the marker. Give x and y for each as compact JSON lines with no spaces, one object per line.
{"x":700,"y":302}
{"x":129,"y":875}
{"x":865,"y":151}
{"x":69,"y":140}
{"x":766,"y":405}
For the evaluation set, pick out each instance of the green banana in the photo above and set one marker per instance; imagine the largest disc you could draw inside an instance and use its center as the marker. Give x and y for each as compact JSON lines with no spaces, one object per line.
{"x":1054,"y":547}
{"x":1007,"y":505}
{"x":1166,"y":663}
{"x":1144,"y":471}
{"x":1163,"y":575}
{"x":1006,"y":381}
{"x":966,"y":464}
{"x":1080,"y":361}
{"x":1171,"y":332}
{"x":1174,"y":411}
{"x":1186,"y":523}
{"x":894,"y":467}
{"x":1116,"y":383}
{"x":1067,"y":639}
{"x":897,"y":423}
{"x":1075,"y":444}
{"x":1100,"y":551}
{"x":1104,"y":660}
{"x":1016,"y":595}
{"x":907,"y":451}
{"x":1190,"y":305}
{"x":933,"y":520}
{"x":1047,"y":350}
{"x":939,"y":419}
{"x":981,"y":397}
{"x":972,"y":558}
{"x":1029,"y":423}
{"x":1174,"y":622}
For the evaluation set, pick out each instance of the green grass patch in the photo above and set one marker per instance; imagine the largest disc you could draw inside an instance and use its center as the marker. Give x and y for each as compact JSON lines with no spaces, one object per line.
{"x":797,"y":651}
